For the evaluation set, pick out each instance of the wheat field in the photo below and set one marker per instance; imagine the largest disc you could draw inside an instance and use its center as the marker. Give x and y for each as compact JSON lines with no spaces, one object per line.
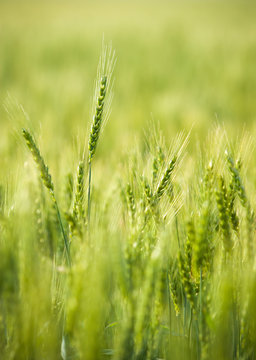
{"x":127,"y":180}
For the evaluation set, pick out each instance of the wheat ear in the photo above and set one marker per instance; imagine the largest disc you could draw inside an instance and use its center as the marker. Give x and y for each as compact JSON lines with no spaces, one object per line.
{"x":47,"y":180}
{"x":102,"y":98}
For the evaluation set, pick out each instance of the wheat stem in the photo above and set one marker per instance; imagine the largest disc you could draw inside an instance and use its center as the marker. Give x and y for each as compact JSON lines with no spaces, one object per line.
{"x":89,"y":195}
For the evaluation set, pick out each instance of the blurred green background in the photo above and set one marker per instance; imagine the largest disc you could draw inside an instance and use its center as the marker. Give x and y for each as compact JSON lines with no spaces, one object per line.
{"x":181,"y":63}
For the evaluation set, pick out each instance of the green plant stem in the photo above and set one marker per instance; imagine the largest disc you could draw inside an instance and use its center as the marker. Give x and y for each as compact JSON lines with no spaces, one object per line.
{"x":185,"y":315}
{"x":169,"y":308}
{"x":177,"y":230}
{"x":197,"y":339}
{"x":189,"y":327}
{"x":201,"y":295}
{"x":89,"y":194}
{"x":63,"y":233}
